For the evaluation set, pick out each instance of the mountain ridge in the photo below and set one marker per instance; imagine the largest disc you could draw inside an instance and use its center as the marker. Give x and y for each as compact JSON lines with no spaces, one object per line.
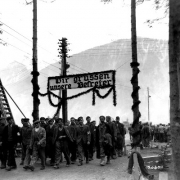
{"x":153,"y":58}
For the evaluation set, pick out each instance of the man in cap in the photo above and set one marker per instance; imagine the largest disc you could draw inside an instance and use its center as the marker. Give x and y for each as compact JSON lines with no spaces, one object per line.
{"x":113,"y":133}
{"x":10,"y":139}
{"x":2,"y":148}
{"x":120,"y":136}
{"x":91,"y":145}
{"x":73,"y":147}
{"x":50,"y":149}
{"x":94,"y":135}
{"x":43,"y":122}
{"x":83,"y":141}
{"x":37,"y":145}
{"x":25,"y":133}
{"x":104,"y":141}
{"x":61,"y":136}
{"x":57,"y":120}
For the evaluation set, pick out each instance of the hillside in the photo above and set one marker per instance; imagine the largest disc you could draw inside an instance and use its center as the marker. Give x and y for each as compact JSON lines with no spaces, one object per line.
{"x":153,"y":58}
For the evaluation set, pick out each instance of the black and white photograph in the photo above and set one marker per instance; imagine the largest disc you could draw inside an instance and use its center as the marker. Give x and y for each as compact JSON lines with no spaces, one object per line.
{"x":90,"y":90}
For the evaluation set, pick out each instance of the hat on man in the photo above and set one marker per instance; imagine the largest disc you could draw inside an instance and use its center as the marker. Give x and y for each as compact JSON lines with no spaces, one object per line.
{"x":25,"y":120}
{"x":36,"y":121}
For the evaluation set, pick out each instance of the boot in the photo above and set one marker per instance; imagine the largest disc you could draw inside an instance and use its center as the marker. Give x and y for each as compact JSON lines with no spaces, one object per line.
{"x":31,"y":167}
{"x":108,"y":160}
{"x":22,"y":162}
{"x":102,"y":162}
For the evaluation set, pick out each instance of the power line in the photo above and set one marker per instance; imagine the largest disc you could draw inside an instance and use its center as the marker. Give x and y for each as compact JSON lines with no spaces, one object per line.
{"x":15,"y":47}
{"x":122,"y":65}
{"x":78,"y":67}
{"x":26,"y":38}
{"x":15,"y":37}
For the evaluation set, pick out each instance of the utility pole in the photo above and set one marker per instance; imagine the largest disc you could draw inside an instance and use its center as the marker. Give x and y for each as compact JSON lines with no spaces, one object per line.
{"x":148,"y":106}
{"x":64,"y":67}
{"x":35,"y":72}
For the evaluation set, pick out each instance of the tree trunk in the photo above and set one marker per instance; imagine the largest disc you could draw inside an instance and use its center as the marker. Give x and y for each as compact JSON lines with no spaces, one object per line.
{"x":174,"y":60}
{"x":134,"y":65}
{"x":35,"y":72}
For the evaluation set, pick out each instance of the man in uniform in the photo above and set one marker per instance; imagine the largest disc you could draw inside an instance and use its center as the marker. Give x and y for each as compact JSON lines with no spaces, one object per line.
{"x":120,"y":136}
{"x":83,"y":141}
{"x":104,"y":141}
{"x":2,"y":149}
{"x":25,"y":132}
{"x":37,"y":145}
{"x":50,"y":148}
{"x":61,"y":137}
{"x":10,"y":139}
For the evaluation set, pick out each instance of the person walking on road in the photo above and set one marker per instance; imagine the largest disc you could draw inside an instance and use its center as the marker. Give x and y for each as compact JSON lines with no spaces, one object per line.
{"x":37,"y":145}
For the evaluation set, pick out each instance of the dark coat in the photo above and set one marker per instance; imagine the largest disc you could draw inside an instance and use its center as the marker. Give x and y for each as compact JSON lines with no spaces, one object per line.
{"x":55,"y":134}
{"x":83,"y":133}
{"x":49,"y":133}
{"x":15,"y":132}
{"x":2,"y":126}
{"x":120,"y":128}
{"x":26,"y":134}
{"x":113,"y":130}
{"x":102,"y":135}
{"x":73,"y":132}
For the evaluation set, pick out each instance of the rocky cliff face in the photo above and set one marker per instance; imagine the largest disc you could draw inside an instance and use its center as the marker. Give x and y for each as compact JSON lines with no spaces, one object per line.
{"x":153,"y":58}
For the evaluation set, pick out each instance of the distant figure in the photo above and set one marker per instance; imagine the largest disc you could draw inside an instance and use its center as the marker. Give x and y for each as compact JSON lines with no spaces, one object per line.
{"x":145,"y":135}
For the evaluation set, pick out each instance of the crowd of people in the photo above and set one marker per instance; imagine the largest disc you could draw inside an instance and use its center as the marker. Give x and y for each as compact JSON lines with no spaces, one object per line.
{"x":75,"y":141}
{"x":153,"y":133}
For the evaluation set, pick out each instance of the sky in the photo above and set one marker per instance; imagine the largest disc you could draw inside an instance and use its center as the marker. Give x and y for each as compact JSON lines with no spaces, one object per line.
{"x":85,"y":23}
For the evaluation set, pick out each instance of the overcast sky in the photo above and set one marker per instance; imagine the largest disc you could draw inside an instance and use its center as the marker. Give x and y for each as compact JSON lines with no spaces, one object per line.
{"x":86,"y":24}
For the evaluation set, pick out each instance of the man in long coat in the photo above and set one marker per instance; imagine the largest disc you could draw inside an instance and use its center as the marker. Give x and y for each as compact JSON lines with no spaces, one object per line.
{"x":61,"y":138}
{"x":91,"y":145}
{"x":103,"y":141}
{"x":37,"y":145}
{"x":50,"y":148}
{"x":113,"y":133}
{"x":120,"y":136}
{"x":72,"y":145}
{"x":25,"y":132}
{"x":10,"y":139}
{"x":83,"y":140}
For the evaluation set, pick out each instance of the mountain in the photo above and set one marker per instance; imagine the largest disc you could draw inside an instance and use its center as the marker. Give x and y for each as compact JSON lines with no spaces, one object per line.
{"x":153,"y":59}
